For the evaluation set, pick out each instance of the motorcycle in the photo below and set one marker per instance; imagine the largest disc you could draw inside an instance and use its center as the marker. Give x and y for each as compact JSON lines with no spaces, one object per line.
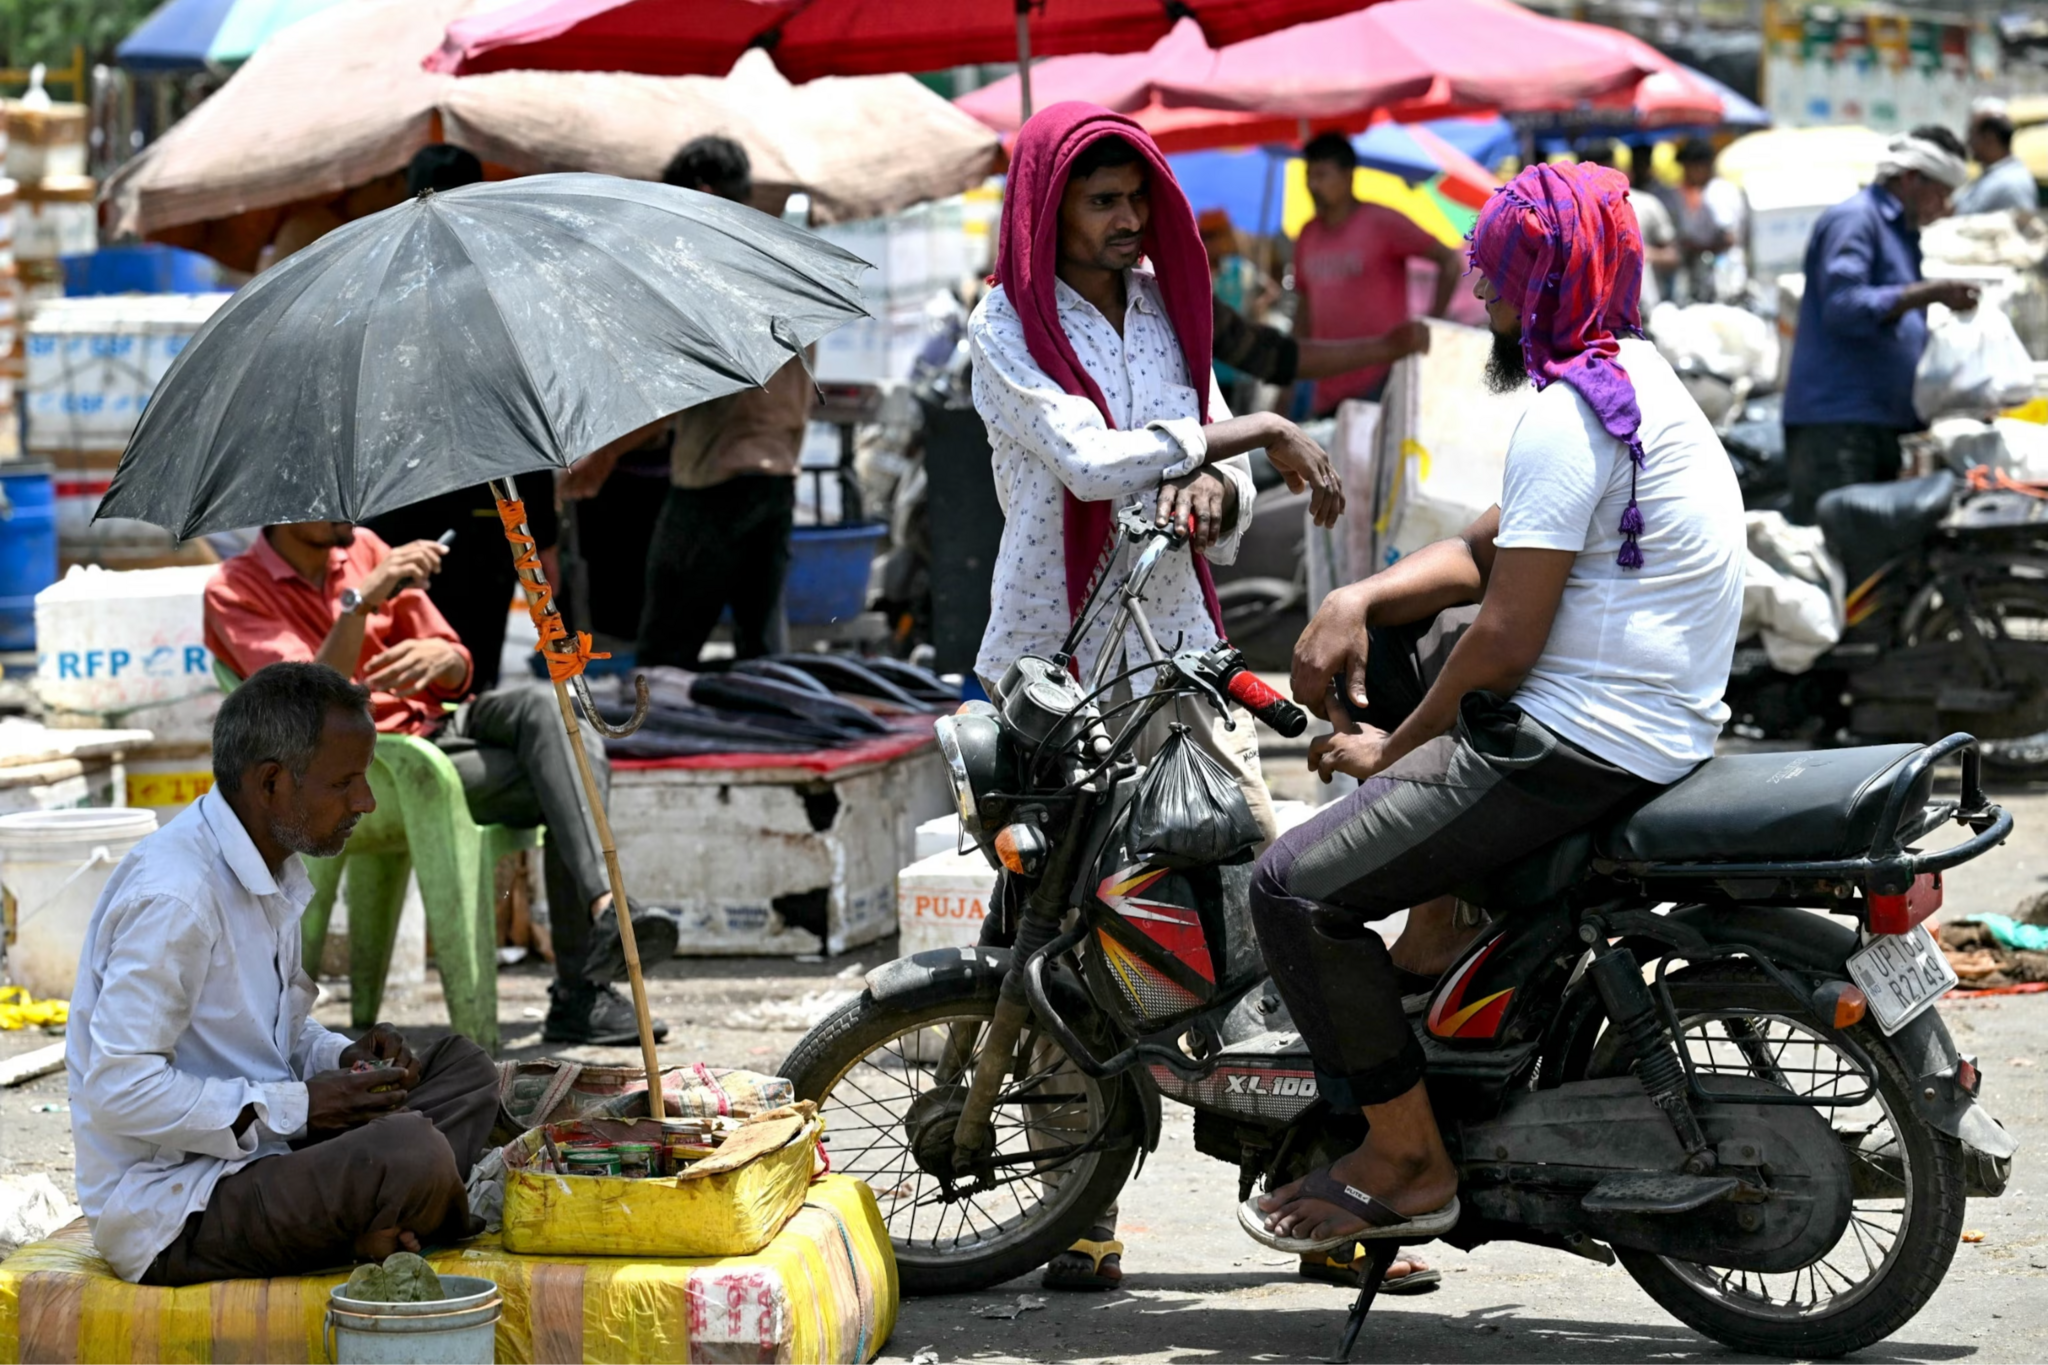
{"x":1946,"y":625}
{"x":1697,"y":1039}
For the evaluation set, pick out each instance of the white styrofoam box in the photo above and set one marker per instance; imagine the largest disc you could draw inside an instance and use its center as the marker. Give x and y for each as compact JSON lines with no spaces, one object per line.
{"x":941,"y":835}
{"x":1443,"y":443}
{"x":870,"y":350}
{"x":45,"y":143}
{"x":58,"y":217}
{"x":119,"y":648}
{"x":93,"y":363}
{"x":942,"y":900}
{"x":775,"y":860}
{"x":166,"y":778}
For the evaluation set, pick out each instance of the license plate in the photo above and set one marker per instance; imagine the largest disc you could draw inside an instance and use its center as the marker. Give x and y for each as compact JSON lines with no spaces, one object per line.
{"x":1901,"y":975}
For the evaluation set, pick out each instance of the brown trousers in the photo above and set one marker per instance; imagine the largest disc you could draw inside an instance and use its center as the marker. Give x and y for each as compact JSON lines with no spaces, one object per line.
{"x":302,"y":1211}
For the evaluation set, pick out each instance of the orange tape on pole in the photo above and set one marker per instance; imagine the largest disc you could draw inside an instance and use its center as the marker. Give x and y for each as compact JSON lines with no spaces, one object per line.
{"x":563,"y":664}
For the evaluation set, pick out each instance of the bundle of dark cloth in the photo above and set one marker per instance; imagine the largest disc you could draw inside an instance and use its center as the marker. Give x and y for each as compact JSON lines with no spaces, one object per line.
{"x":789,"y":704}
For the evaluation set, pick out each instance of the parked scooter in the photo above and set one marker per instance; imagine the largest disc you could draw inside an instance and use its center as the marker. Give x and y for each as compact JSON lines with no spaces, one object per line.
{"x":1947,"y":626}
{"x":1697,"y":1038}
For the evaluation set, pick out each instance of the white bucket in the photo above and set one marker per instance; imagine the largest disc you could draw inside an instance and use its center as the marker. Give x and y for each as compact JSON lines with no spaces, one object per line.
{"x":54,"y":864}
{"x":459,"y":1330}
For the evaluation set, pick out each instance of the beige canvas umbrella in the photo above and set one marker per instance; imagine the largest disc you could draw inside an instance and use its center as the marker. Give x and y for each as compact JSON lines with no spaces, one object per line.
{"x":340,"y":102}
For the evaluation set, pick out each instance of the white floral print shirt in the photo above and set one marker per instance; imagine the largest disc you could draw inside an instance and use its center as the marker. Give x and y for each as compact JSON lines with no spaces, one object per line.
{"x":1047,"y":441}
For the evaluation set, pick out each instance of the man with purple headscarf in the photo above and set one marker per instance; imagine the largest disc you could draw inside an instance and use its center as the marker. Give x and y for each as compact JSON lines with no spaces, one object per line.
{"x":1498,"y":691}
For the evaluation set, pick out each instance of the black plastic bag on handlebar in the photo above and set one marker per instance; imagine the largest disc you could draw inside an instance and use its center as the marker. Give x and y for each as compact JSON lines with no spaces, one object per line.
{"x":1188,"y":810}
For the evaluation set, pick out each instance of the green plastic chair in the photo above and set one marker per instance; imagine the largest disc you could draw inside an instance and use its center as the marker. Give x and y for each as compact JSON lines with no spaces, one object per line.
{"x":422,"y":826}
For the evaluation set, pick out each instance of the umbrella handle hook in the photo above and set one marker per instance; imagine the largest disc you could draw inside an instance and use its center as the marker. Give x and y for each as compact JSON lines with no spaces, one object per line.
{"x":597,"y":722}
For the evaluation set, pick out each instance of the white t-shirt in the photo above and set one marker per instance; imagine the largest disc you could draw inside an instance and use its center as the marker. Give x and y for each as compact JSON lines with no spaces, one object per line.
{"x":1637,"y":659}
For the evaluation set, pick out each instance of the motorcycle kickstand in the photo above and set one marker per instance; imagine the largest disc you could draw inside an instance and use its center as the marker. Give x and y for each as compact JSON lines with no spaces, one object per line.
{"x":1379,"y":1258}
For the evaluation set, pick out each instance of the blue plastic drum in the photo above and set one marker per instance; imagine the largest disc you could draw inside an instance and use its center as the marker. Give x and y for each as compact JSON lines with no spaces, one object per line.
{"x":28,"y":552}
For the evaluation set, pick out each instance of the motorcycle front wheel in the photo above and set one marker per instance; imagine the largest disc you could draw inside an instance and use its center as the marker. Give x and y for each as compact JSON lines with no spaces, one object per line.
{"x":1907,"y":1212}
{"x":889,"y":1082}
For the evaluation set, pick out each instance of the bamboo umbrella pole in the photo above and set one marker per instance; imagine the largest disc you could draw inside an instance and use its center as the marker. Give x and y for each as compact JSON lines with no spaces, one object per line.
{"x":557,"y":642}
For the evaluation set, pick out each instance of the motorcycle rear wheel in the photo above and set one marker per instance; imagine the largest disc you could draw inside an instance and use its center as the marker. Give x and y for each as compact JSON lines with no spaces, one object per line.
{"x":2016,"y":608}
{"x":1823,"y":1310}
{"x":870,"y":1067}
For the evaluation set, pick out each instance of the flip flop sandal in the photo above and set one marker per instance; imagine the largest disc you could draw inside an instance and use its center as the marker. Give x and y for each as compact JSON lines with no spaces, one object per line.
{"x":1380,"y":1220}
{"x":1093,"y":1279}
{"x":1329,"y":1270}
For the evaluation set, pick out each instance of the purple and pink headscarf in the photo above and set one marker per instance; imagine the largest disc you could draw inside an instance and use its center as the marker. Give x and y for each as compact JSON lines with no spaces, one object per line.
{"x":1561,"y":243}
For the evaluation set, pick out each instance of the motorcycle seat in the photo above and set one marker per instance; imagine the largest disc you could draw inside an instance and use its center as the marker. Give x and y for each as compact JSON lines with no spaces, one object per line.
{"x":1789,"y":807}
{"x":1867,"y":524}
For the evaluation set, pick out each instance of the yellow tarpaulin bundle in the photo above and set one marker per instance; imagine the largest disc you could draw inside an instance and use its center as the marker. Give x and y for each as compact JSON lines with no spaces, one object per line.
{"x":729,"y":1211}
{"x":19,"y":1009}
{"x":824,"y":1290}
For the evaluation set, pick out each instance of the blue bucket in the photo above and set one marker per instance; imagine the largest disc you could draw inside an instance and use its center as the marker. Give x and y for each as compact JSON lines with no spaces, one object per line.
{"x":828,"y":571}
{"x":28,"y":553}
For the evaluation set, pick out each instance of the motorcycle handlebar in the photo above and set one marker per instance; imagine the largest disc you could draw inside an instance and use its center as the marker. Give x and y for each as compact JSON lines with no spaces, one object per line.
{"x":1262,"y":701}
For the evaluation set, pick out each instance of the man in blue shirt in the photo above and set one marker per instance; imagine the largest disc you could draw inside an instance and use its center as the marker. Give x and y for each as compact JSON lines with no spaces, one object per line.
{"x":2004,"y":182}
{"x":1863,"y":324}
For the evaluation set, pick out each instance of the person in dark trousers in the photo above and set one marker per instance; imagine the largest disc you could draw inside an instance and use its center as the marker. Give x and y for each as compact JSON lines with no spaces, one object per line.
{"x":222,"y":1133}
{"x":722,"y":540}
{"x":331,"y":593}
{"x":477,"y":585}
{"x":1863,"y":322}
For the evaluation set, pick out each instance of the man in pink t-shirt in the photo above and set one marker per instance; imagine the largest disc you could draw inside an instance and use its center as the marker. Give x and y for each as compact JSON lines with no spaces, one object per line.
{"x":1351,"y":267}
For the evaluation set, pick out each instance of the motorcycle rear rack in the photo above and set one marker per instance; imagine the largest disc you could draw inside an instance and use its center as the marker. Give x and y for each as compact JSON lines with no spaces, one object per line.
{"x":1889,"y":868}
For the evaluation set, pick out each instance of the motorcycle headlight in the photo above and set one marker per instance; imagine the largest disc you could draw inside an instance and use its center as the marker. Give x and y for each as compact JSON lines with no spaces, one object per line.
{"x":971,"y":742}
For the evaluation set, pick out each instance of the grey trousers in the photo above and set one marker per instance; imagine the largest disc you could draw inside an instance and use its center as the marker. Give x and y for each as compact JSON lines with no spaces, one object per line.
{"x":513,"y":756}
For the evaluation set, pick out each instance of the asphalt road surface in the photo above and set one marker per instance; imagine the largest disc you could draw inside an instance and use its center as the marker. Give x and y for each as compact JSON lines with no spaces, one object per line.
{"x":1200,"y":1291}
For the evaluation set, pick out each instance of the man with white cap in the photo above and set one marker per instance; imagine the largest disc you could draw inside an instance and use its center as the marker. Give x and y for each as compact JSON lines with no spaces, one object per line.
{"x":1863,"y":323}
{"x":2003,"y":183}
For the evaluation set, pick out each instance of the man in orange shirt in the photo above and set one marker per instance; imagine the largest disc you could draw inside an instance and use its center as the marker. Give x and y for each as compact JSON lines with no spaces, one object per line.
{"x":1351,"y":268}
{"x":332,"y":593}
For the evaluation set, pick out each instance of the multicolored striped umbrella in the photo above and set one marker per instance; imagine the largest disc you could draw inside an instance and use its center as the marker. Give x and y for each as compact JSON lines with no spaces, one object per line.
{"x":197,"y":35}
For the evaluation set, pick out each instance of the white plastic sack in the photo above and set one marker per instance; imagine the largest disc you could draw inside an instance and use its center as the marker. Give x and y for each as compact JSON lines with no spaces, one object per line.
{"x":1728,"y":342}
{"x":31,"y":1208}
{"x":1974,"y":363}
{"x":1792,"y":592}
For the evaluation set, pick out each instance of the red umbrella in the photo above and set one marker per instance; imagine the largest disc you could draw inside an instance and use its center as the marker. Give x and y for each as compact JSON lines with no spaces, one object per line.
{"x":1129,"y":83}
{"x":1486,"y":53}
{"x":811,"y":38}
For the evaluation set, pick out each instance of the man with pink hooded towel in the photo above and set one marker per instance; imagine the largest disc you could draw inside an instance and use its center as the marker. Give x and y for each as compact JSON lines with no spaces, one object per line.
{"x":1495,"y":692}
{"x":1092,"y":371}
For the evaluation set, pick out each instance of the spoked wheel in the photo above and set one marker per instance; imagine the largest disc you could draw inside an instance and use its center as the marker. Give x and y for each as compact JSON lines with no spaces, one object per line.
{"x":891,"y":1084}
{"x":1907,"y":1210}
{"x":2012,"y":609}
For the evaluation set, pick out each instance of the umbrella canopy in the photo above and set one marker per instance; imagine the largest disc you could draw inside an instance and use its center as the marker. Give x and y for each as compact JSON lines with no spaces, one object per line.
{"x":195,"y":35}
{"x":1130,"y":83}
{"x":340,"y":100}
{"x":812,"y":38}
{"x":473,"y":335}
{"x":1489,"y":54}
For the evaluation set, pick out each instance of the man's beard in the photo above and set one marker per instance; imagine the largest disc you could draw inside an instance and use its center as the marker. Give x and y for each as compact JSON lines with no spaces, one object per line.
{"x":1506,"y":369}
{"x":292,"y":835}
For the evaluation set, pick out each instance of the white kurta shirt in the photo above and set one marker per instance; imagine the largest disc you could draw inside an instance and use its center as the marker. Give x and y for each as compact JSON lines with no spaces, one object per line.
{"x":191,"y":1003}
{"x":1046,"y":441}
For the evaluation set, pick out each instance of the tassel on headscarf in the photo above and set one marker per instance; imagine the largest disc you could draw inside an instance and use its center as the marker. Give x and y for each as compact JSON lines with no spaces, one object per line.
{"x":1562,"y":244}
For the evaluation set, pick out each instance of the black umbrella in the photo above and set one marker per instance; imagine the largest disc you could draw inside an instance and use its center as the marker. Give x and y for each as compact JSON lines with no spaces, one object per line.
{"x":467,"y":337}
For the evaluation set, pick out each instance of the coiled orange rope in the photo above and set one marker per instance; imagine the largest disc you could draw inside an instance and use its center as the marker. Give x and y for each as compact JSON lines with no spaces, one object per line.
{"x":563,"y":663}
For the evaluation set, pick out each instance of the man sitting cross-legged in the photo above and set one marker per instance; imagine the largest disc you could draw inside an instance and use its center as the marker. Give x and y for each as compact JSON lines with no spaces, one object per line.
{"x":222,"y":1133}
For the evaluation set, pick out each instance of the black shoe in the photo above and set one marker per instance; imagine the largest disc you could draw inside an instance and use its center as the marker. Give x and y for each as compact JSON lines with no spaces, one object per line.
{"x":655,"y":932}
{"x":594,"y":1015}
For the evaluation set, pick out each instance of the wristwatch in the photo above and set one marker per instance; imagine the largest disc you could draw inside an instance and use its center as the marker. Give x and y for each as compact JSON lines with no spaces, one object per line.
{"x":352,"y":603}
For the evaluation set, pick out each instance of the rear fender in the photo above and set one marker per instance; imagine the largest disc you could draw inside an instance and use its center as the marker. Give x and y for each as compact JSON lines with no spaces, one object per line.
{"x":974,"y":972}
{"x":1809,"y":941}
